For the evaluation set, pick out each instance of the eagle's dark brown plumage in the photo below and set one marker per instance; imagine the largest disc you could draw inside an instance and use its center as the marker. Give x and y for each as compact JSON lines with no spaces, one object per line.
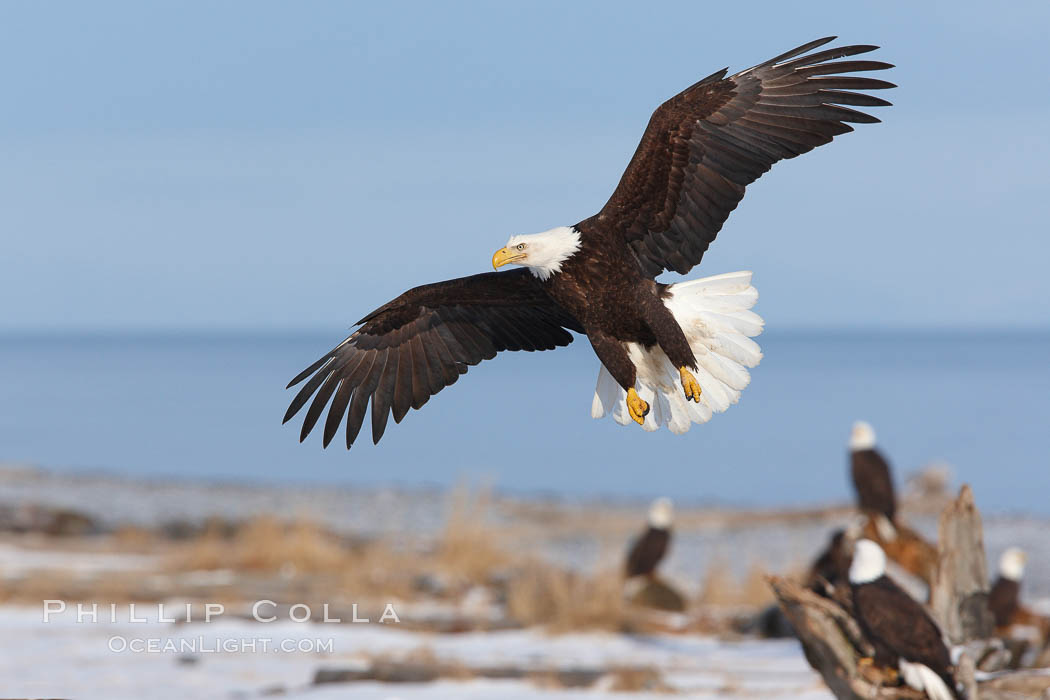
{"x":414,"y":346}
{"x":1004,"y":601}
{"x":831,"y":567}
{"x":707,"y":143}
{"x":647,"y":552}
{"x":873,"y":483}
{"x":698,"y":153}
{"x":899,"y":627}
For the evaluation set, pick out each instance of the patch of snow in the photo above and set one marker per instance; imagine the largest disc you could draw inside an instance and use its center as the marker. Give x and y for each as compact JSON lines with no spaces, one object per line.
{"x":56,"y":658}
{"x":19,"y":561}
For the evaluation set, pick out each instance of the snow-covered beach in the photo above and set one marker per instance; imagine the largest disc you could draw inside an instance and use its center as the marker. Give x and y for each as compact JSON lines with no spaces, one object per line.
{"x":458,"y":632}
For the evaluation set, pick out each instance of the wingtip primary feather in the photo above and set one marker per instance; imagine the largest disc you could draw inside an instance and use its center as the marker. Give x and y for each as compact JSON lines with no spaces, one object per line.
{"x":797,"y":51}
{"x":308,"y":371}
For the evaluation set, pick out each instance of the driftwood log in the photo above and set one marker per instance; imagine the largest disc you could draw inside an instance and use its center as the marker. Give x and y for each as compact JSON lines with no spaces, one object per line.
{"x":959,"y":593}
{"x":833,"y":644}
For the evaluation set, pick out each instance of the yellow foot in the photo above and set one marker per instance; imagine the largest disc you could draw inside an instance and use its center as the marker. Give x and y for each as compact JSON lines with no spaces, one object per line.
{"x":636,"y":407}
{"x":690,"y":385}
{"x":865,"y":661}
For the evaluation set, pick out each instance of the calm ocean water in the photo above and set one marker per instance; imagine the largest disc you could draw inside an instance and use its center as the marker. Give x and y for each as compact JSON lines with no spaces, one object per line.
{"x":200,"y":405}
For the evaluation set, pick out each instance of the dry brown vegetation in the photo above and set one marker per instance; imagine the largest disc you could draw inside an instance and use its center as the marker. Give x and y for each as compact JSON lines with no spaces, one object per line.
{"x":483,"y":572}
{"x":469,"y":547}
{"x":721,"y":588}
{"x":561,"y":600}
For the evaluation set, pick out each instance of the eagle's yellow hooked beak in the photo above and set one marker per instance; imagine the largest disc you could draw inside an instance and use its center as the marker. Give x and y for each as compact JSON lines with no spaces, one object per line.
{"x":505,"y":255}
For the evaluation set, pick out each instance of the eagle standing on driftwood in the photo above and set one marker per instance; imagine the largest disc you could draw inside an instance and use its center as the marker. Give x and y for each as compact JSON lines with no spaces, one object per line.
{"x":872,"y":479}
{"x":671,"y":354}
{"x":1012,"y":619}
{"x":1004,"y":599}
{"x":903,"y":634}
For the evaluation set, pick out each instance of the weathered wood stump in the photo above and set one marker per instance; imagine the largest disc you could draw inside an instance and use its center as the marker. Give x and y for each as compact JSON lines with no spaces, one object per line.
{"x":959,"y":593}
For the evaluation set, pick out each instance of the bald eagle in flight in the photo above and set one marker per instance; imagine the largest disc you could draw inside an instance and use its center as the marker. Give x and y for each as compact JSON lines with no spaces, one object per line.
{"x":671,"y":354}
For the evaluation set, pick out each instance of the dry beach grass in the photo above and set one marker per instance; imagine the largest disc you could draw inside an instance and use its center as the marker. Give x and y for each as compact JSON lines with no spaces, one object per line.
{"x":477,"y":572}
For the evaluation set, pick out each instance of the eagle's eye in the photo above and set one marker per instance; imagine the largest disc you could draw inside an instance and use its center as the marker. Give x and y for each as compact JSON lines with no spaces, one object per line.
{"x":521,"y":246}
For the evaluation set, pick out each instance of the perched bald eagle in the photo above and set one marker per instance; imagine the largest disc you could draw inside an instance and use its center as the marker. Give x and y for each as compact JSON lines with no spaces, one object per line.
{"x":670,"y":354}
{"x":903,"y":634}
{"x":1004,"y":599}
{"x":649,"y":549}
{"x":872,"y":479}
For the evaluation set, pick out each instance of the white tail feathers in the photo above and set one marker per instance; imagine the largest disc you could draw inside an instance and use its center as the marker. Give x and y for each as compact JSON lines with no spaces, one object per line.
{"x":923,"y":678}
{"x":714,"y":312}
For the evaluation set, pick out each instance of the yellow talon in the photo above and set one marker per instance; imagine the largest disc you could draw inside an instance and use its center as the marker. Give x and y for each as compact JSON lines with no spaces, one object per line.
{"x":865,"y":661}
{"x":690,"y":385}
{"x":636,"y":407}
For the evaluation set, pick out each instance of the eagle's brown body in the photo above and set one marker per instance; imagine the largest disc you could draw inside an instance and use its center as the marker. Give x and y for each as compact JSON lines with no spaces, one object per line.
{"x":698,"y":153}
{"x":873,"y":483}
{"x":898,"y":627}
{"x":630,"y":311}
{"x":1004,"y":601}
{"x":647,"y":552}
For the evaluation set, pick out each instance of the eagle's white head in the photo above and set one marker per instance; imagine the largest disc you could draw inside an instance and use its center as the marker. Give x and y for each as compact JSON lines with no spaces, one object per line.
{"x":869,"y":562}
{"x":862,"y":437}
{"x":1011,"y":564}
{"x":661,"y":512}
{"x":543,"y":253}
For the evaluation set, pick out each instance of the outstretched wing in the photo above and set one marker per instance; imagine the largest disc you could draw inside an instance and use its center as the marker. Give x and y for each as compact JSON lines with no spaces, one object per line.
{"x":413,"y":347}
{"x":706,"y":144}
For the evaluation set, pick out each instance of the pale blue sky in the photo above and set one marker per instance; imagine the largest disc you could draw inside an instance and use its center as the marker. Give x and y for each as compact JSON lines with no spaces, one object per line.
{"x":270,"y":165}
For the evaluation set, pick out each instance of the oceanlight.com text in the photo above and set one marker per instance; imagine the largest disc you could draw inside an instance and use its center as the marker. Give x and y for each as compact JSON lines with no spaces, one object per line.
{"x":215,"y":645}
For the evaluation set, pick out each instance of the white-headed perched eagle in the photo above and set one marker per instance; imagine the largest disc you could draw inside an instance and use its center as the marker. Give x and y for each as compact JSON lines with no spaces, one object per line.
{"x":872,"y":479}
{"x":1012,"y":618}
{"x":649,"y":549}
{"x":903,"y":634}
{"x":670,"y":354}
